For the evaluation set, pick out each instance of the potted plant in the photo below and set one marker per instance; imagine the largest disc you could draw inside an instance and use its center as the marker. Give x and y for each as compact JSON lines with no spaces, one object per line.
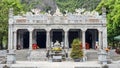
{"x":76,"y":53}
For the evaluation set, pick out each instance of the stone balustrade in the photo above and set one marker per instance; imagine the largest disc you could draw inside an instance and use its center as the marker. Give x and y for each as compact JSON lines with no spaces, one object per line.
{"x":68,"y":19}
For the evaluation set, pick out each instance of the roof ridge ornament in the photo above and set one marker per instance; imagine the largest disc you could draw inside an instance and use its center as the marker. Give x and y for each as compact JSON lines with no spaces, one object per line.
{"x":57,"y":13}
{"x":79,"y":11}
{"x":36,"y":11}
{"x":11,"y":12}
{"x":104,"y":12}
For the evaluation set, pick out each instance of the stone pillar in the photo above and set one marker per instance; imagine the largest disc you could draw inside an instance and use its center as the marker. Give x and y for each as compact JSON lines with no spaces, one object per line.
{"x":83,"y":43}
{"x":100,"y":39}
{"x":30,"y":38}
{"x":104,"y":37}
{"x":51,"y":36}
{"x":15,"y":39}
{"x":10,"y":37}
{"x":66,"y":38}
{"x":10,"y":30}
{"x":48,"y":39}
{"x":83,"y":39}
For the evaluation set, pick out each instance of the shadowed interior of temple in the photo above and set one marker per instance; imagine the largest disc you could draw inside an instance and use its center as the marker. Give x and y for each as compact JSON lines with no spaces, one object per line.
{"x":41,"y":39}
{"x":72,"y":35}
{"x":26,"y":40}
{"x":91,"y":38}
{"x":57,"y":35}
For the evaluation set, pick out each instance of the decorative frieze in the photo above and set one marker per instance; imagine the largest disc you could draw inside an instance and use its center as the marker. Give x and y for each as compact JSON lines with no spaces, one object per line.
{"x":58,"y":17}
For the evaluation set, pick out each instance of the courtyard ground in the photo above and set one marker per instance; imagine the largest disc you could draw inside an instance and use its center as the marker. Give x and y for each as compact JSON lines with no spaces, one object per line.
{"x":65,"y":64}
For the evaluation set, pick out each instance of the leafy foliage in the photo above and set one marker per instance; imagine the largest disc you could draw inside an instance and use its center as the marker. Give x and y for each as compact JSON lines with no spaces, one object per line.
{"x":71,"y":5}
{"x":4,"y":8}
{"x":28,"y":4}
{"x":76,"y":52}
{"x":113,"y":16}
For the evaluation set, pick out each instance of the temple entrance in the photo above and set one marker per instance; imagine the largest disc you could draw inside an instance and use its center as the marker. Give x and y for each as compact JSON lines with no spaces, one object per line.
{"x":26,"y":40}
{"x":91,"y":38}
{"x":23,"y":39}
{"x":41,"y":38}
{"x":57,"y":34}
{"x":73,"y":33}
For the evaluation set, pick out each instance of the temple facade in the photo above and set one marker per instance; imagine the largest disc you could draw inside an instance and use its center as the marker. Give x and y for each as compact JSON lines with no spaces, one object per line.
{"x":44,"y":29}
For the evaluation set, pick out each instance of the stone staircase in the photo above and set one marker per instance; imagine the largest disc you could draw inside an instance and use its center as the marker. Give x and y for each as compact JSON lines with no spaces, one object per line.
{"x":22,"y":54}
{"x":92,"y":55}
{"x":40,"y":55}
{"x":34,"y":55}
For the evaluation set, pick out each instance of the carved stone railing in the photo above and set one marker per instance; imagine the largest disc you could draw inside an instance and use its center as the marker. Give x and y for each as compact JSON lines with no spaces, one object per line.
{"x":68,"y":19}
{"x":80,"y":16}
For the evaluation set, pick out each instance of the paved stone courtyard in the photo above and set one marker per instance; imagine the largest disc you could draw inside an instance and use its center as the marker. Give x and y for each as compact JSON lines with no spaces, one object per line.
{"x":46,"y":64}
{"x":22,"y":57}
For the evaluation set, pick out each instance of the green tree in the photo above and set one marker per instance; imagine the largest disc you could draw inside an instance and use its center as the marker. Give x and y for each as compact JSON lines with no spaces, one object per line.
{"x":113,"y":16}
{"x":4,"y":8}
{"x":71,"y":5}
{"x":28,"y":4}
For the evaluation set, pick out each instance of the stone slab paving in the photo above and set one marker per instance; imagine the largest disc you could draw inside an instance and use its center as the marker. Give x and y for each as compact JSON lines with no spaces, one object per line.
{"x":46,"y":64}
{"x":114,"y":65}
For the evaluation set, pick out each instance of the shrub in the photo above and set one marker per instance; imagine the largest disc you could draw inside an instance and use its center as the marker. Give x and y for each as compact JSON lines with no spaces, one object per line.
{"x":76,"y":52}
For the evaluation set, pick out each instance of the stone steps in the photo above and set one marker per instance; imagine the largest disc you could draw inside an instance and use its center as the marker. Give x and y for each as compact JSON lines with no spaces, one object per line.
{"x":40,"y":55}
{"x":92,"y":55}
{"x":46,"y":64}
{"x":22,"y":54}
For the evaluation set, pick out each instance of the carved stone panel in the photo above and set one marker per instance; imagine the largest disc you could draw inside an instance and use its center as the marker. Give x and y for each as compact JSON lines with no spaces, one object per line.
{"x":57,"y":19}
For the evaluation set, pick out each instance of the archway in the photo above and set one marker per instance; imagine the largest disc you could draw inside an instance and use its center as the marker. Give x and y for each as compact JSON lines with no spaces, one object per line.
{"x":40,"y":38}
{"x":91,"y":37}
{"x":23,"y":39}
{"x":57,"y":34}
{"x":73,"y":33}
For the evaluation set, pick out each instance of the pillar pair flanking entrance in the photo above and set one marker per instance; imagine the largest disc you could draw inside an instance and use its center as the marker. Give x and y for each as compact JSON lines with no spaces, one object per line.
{"x":25,"y":38}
